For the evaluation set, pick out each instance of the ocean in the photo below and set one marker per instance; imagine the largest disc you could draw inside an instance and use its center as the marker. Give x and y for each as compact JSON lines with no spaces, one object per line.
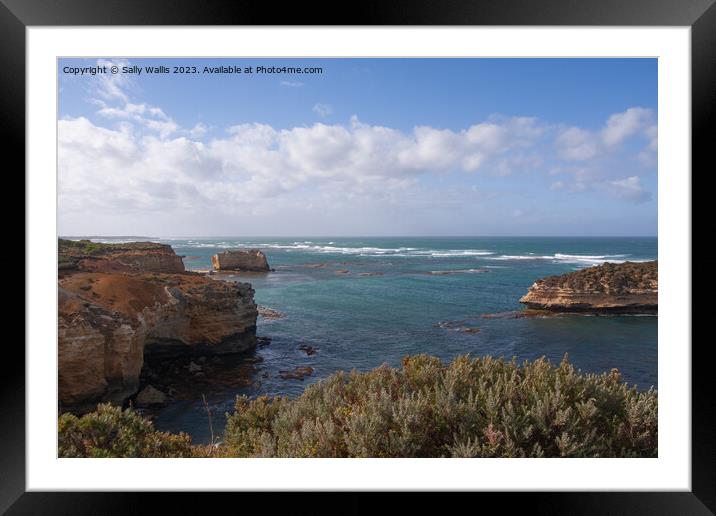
{"x":363,"y":302}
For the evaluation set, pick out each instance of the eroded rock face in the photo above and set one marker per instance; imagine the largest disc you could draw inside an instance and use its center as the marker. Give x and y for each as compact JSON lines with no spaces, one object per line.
{"x":609,"y":288}
{"x":99,"y":353}
{"x":153,"y":261}
{"x":252,"y":260}
{"x":109,"y":321}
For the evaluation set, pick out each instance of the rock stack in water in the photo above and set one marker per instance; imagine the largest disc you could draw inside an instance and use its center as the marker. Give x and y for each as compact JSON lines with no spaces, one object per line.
{"x":250,"y":260}
{"x":628,"y":287}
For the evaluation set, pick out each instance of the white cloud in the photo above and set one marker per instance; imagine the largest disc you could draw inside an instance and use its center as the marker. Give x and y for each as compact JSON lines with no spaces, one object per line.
{"x":111,"y":87}
{"x":150,"y":117}
{"x":323,"y":110}
{"x":198,"y":130}
{"x":621,"y":126}
{"x":114,"y":104}
{"x":257,"y":160}
{"x":629,"y":189}
{"x":652,"y":132}
{"x":488,"y":136}
{"x":132,"y":161}
{"x":163,"y":127}
{"x":576,"y":144}
{"x":133,"y":111}
{"x":648,"y":155}
{"x":146,"y":163}
{"x":608,"y":181}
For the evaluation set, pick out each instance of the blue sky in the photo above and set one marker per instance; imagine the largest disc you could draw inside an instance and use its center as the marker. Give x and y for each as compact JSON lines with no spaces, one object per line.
{"x":367,"y":147}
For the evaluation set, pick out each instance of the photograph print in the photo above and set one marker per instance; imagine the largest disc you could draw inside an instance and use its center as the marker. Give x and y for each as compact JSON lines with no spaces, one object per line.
{"x":357,"y":257}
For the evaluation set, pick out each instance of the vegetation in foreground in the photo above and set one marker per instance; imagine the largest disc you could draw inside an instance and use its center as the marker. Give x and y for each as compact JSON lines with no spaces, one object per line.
{"x":112,"y":432}
{"x":612,"y":278}
{"x":472,"y":407}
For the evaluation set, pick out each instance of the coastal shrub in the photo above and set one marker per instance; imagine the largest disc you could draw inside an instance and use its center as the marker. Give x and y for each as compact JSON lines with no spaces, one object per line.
{"x":472,"y":407}
{"x":69,"y":251}
{"x":112,"y":432}
{"x":613,"y":278}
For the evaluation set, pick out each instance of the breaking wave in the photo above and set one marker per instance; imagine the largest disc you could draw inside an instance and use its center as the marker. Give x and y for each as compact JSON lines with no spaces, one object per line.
{"x":579,"y":259}
{"x":332,"y":248}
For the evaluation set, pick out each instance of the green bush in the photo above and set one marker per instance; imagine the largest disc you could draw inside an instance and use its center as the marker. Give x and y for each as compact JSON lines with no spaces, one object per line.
{"x":480,"y":407}
{"x":70,"y":251}
{"x":469,"y":408}
{"x":111,"y":432}
{"x":612,"y":278}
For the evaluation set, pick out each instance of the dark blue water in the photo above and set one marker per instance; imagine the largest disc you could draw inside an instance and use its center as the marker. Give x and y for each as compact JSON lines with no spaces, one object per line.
{"x":362,"y":321}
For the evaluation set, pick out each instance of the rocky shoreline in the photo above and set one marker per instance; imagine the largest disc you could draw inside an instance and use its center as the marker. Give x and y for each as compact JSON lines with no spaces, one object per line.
{"x":618,"y":288}
{"x":136,"y":327}
{"x":185,"y":378}
{"x":121,"y":303}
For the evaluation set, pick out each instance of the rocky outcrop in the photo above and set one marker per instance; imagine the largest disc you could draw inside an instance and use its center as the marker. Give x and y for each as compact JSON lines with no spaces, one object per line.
{"x":84,"y":255}
{"x":109,"y":322}
{"x":151,"y":397}
{"x":297,"y":373}
{"x":251,"y":260}
{"x":269,"y":313}
{"x":609,"y":288}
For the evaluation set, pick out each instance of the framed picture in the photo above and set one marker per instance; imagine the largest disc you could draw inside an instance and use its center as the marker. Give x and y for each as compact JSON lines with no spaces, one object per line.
{"x":408,"y":251}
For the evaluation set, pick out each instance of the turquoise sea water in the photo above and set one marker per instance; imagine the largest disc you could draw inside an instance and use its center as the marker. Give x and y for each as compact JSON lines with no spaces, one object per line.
{"x":362,"y":321}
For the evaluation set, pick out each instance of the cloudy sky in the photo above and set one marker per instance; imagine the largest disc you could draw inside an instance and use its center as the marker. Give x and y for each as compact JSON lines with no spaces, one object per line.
{"x":366,"y":147}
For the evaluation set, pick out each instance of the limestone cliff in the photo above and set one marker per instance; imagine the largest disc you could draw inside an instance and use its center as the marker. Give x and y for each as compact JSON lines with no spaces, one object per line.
{"x":252,"y":260}
{"x":617,"y":288}
{"x":84,"y":255}
{"x":109,"y":322}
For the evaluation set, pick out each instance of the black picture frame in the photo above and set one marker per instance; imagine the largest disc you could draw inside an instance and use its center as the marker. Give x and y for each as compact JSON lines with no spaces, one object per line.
{"x":16,"y":15}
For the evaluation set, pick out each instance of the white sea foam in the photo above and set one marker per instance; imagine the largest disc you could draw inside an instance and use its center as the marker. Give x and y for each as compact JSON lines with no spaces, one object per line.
{"x":579,"y":259}
{"x":520,"y":257}
{"x":440,"y":253}
{"x":561,"y":256}
{"x":457,"y":271}
{"x":209,"y":245}
{"x":309,"y":246}
{"x":331,"y":248}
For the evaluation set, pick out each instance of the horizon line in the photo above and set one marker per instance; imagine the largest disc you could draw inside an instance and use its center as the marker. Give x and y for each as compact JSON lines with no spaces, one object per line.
{"x":356,"y":236}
